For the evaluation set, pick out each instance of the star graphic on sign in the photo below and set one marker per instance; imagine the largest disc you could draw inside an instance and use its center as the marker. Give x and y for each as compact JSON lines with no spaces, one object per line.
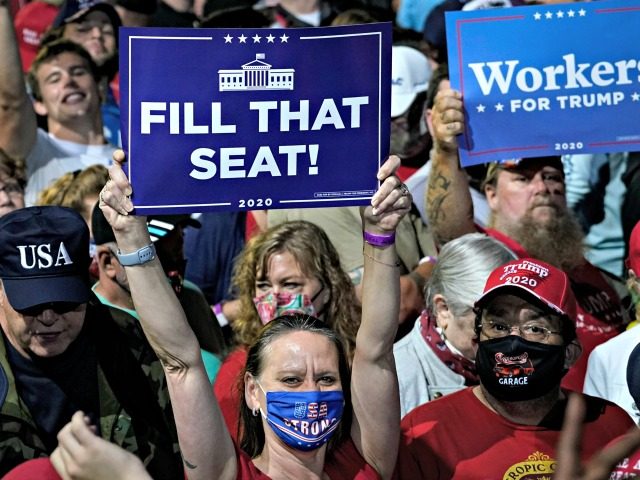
{"x":480,"y":108}
{"x":560,"y":14}
{"x":635,"y":96}
{"x":548,"y":15}
{"x":582,"y":12}
{"x":571,"y":13}
{"x":537,"y":16}
{"x":242,"y":38}
{"x":270,"y":38}
{"x":284,"y":38}
{"x":256,"y":38}
{"x":228,"y":38}
{"x":499,"y":107}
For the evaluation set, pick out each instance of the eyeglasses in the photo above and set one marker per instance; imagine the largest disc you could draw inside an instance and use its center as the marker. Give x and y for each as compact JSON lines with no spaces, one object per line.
{"x":11,"y":188}
{"x":532,"y":331}
{"x":58,"y":307}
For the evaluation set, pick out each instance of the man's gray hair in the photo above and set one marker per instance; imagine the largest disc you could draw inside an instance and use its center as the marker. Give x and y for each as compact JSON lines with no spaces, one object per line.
{"x":464,"y":264}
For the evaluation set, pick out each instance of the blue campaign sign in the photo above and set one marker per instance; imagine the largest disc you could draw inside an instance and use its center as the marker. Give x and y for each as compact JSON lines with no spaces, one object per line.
{"x":233,"y":119}
{"x":547,"y":80}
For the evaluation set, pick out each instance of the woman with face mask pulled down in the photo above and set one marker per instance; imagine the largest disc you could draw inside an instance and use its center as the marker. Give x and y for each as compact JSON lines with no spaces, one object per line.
{"x":307,"y":414}
{"x":291,"y":268}
{"x":438,"y":356}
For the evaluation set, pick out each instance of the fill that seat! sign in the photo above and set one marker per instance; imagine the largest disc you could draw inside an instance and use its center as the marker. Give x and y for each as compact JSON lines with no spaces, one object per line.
{"x":233,"y":119}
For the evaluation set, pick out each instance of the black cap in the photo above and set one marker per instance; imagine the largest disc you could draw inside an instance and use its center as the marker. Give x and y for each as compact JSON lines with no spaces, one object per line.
{"x":232,"y":14}
{"x":146,"y":7}
{"x":44,"y":256}
{"x":434,"y":27}
{"x":158,"y":225}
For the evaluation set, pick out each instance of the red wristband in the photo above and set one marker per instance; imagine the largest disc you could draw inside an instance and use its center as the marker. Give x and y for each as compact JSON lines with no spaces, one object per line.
{"x":380,"y":240}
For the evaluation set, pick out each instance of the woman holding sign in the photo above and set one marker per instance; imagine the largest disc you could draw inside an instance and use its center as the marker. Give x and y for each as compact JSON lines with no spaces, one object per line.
{"x":307,"y":418}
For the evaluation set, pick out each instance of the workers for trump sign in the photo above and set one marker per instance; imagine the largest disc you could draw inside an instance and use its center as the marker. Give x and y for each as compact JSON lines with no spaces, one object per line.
{"x":547,"y":80}
{"x":233,"y":119}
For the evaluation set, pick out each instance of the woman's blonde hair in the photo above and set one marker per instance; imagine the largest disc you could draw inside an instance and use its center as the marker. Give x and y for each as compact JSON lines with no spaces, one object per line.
{"x":71,"y":189}
{"x":317,"y":258}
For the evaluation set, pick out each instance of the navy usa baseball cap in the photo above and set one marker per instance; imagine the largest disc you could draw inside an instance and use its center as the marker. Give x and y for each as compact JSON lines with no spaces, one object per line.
{"x":44,"y":256}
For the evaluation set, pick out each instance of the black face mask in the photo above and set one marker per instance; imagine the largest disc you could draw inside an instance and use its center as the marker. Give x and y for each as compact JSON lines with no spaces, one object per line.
{"x":514,"y":369}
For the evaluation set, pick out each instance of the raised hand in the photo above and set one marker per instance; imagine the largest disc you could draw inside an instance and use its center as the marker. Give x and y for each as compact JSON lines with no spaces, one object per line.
{"x":448,"y":120}
{"x":390,"y":203}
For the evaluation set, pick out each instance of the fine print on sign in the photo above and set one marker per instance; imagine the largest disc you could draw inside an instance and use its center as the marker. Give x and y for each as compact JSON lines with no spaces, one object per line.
{"x":547,"y":80}
{"x":232,"y":119}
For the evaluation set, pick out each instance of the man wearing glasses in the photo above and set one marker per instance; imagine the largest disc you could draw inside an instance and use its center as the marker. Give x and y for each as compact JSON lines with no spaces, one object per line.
{"x":62,"y":351}
{"x":530,"y":215}
{"x":508,"y":426}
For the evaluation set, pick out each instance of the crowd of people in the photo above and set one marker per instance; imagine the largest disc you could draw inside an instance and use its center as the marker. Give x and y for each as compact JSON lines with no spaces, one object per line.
{"x":470,"y":323}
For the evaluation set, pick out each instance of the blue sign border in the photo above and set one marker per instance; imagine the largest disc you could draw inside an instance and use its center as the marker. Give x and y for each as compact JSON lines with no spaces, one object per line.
{"x":363,"y":188}
{"x":541,"y":32}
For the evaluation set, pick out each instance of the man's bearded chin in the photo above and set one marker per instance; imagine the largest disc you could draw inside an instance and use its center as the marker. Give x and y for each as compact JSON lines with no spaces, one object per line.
{"x":556,"y":240}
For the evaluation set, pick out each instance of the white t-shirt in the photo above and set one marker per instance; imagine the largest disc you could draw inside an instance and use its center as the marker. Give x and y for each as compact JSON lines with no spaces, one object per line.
{"x":607,"y":371}
{"x":51,"y":158}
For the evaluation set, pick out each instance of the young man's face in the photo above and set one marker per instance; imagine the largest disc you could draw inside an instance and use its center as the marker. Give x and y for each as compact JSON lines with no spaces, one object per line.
{"x":536,"y":190}
{"x":43,"y":332}
{"x":95,"y":32}
{"x":67,"y":87}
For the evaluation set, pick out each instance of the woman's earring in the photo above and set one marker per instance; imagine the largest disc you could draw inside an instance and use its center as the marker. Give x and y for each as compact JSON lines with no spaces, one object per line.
{"x":255,"y":412}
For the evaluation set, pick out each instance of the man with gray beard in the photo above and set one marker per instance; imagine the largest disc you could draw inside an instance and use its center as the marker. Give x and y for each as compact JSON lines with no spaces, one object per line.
{"x":529,"y":214}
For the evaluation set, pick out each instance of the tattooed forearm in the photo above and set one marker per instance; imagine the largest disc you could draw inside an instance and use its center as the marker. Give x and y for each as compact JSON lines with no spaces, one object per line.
{"x":448,"y":203}
{"x":439,"y":181}
{"x":436,"y":212}
{"x":437,"y":193}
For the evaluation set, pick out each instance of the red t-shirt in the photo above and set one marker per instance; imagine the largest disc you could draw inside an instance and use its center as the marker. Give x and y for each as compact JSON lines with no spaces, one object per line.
{"x":227,"y":389}
{"x":627,"y":468}
{"x":457,"y":437}
{"x":38,"y":468}
{"x":599,"y":310}
{"x":344,"y":463}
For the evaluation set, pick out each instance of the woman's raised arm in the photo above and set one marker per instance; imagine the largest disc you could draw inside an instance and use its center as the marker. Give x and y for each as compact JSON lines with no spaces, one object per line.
{"x":374,"y":385}
{"x":205,"y":444}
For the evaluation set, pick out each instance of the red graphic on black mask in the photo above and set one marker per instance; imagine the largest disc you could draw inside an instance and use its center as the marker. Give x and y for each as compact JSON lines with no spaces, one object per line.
{"x":513,"y":366}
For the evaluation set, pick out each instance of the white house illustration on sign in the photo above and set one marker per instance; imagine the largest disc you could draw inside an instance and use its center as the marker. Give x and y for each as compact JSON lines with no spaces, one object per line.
{"x":256,"y":75}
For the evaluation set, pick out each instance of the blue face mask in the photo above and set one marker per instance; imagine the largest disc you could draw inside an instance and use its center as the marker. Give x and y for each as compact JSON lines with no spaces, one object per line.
{"x":304,"y":420}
